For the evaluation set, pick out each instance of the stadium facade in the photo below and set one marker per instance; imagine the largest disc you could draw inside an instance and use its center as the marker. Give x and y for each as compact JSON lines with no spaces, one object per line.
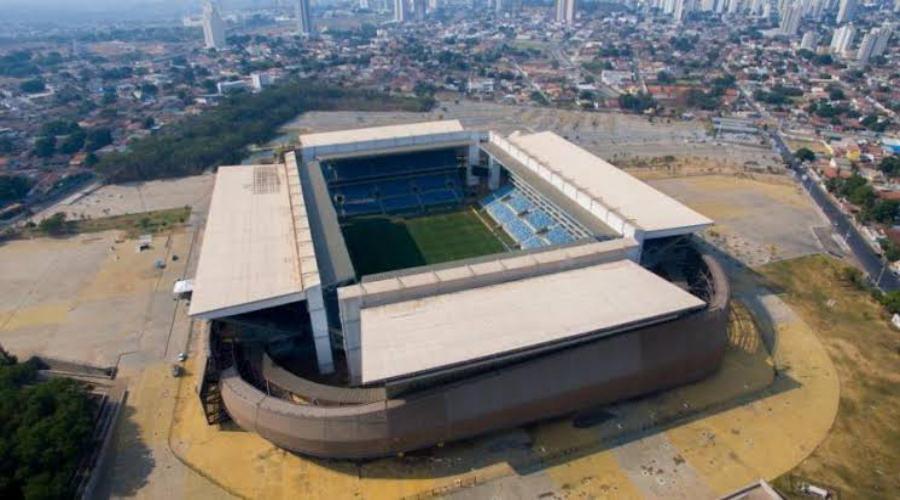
{"x":387,"y":289}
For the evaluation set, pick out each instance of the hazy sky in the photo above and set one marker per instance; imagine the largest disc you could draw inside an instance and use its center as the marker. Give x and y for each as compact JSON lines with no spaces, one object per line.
{"x":79,"y":9}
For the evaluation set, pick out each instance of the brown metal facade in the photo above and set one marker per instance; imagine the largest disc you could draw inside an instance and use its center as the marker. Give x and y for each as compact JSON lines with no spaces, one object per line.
{"x":610,"y":369}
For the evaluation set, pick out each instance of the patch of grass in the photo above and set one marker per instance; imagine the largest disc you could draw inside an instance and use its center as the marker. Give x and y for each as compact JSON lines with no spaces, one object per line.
{"x":133,"y":224}
{"x":860,"y":454}
{"x":381,"y":243}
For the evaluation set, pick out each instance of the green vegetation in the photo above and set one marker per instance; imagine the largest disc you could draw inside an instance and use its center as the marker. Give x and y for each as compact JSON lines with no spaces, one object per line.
{"x":45,"y":429}
{"x":133,"y":224}
{"x":865,"y":350}
{"x":220,"y":136}
{"x":858,"y":192}
{"x":637,"y":102}
{"x":805,"y":154}
{"x":33,"y":86}
{"x":381,"y":243}
{"x":14,"y":187}
{"x":890,"y":165}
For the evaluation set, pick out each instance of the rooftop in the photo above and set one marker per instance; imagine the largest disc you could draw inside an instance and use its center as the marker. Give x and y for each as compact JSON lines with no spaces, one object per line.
{"x":642,"y":205}
{"x":379,"y":133}
{"x":416,"y":336}
{"x":250,"y":258}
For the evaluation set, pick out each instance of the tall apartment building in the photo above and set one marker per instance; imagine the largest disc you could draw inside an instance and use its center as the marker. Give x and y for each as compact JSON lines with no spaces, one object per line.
{"x":213,"y":27}
{"x":790,"y":21}
{"x":301,"y":14}
{"x":847,"y":11}
{"x":874,"y":43}
{"x":565,"y":11}
{"x":401,"y":10}
{"x":810,"y":40}
{"x":843,"y":39}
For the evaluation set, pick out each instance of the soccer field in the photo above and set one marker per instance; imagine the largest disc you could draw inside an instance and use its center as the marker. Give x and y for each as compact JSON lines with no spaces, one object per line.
{"x":382,"y":243}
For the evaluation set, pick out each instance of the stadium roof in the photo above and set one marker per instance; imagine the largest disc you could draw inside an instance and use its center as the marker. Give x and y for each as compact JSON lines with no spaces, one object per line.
{"x":642,"y":205}
{"x":379,"y":133}
{"x":255,"y":253}
{"x":414,"y":337}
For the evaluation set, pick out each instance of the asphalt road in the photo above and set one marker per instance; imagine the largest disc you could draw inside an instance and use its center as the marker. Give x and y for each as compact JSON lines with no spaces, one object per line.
{"x":874,"y":265}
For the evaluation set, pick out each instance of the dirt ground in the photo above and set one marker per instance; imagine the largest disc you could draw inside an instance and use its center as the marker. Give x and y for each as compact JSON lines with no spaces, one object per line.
{"x":757,"y":221}
{"x":88,"y":297}
{"x":859,"y":457}
{"x":121,"y":199}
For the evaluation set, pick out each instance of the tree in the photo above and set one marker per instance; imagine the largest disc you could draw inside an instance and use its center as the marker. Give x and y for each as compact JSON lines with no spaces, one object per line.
{"x":836,"y":94}
{"x":637,"y":102}
{"x":55,"y":224}
{"x":45,"y":430}
{"x":14,"y":187}
{"x":148,"y":123}
{"x":45,"y":147}
{"x":805,"y":154}
{"x":884,"y":211}
{"x":97,"y":139}
{"x":890,"y":165}
{"x":665,"y":77}
{"x":59,"y":127}
{"x":33,"y":86}
{"x":72,"y":143}
{"x":891,"y":302}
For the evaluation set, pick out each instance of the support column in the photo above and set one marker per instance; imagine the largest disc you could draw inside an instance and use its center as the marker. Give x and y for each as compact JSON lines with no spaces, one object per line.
{"x":474,"y":158}
{"x":315,"y":304}
{"x":494,"y":174}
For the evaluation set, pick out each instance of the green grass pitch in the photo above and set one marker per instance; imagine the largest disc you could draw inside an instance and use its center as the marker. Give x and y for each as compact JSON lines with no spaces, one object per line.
{"x":382,"y":243}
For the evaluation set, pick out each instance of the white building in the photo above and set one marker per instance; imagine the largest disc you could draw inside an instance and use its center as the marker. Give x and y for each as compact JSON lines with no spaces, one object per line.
{"x":847,"y":11}
{"x":301,"y":14}
{"x":682,"y":9}
{"x":401,"y":10}
{"x":843,"y":39}
{"x":213,"y":27}
{"x":790,"y":23}
{"x":565,"y":11}
{"x":810,"y":40}
{"x":873,"y":44}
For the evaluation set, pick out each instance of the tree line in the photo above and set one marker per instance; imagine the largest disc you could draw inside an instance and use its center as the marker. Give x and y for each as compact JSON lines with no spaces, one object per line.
{"x":45,"y":429}
{"x":221,"y":135}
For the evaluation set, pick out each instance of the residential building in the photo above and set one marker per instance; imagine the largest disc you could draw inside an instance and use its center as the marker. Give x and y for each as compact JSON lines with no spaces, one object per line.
{"x":565,"y":11}
{"x":213,"y":27}
{"x":810,"y":40}
{"x":847,"y":11}
{"x":843,"y":39}
{"x":790,"y":22}
{"x":301,"y":14}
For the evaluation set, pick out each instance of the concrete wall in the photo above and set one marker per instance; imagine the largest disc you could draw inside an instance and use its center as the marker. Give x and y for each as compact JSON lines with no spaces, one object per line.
{"x":363,"y":147}
{"x":610,"y":369}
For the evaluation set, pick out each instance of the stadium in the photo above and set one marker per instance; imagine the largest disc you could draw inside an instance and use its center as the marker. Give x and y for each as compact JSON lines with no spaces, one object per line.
{"x":392,"y":288}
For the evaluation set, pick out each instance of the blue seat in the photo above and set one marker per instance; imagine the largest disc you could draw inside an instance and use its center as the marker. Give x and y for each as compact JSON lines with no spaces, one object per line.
{"x":363,"y":208}
{"x":400,"y":203}
{"x":539,"y":220}
{"x":533,"y":242}
{"x":519,"y":203}
{"x":438,"y":197}
{"x":558,"y":236}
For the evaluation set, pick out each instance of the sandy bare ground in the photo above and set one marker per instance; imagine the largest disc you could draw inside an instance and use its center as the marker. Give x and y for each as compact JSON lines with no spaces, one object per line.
{"x":121,"y":199}
{"x":757,"y":221}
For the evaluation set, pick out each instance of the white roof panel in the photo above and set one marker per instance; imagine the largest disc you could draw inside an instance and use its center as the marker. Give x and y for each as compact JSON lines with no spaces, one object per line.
{"x":642,"y":205}
{"x":415,"y":336}
{"x":249,"y":257}
{"x":379,"y":133}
